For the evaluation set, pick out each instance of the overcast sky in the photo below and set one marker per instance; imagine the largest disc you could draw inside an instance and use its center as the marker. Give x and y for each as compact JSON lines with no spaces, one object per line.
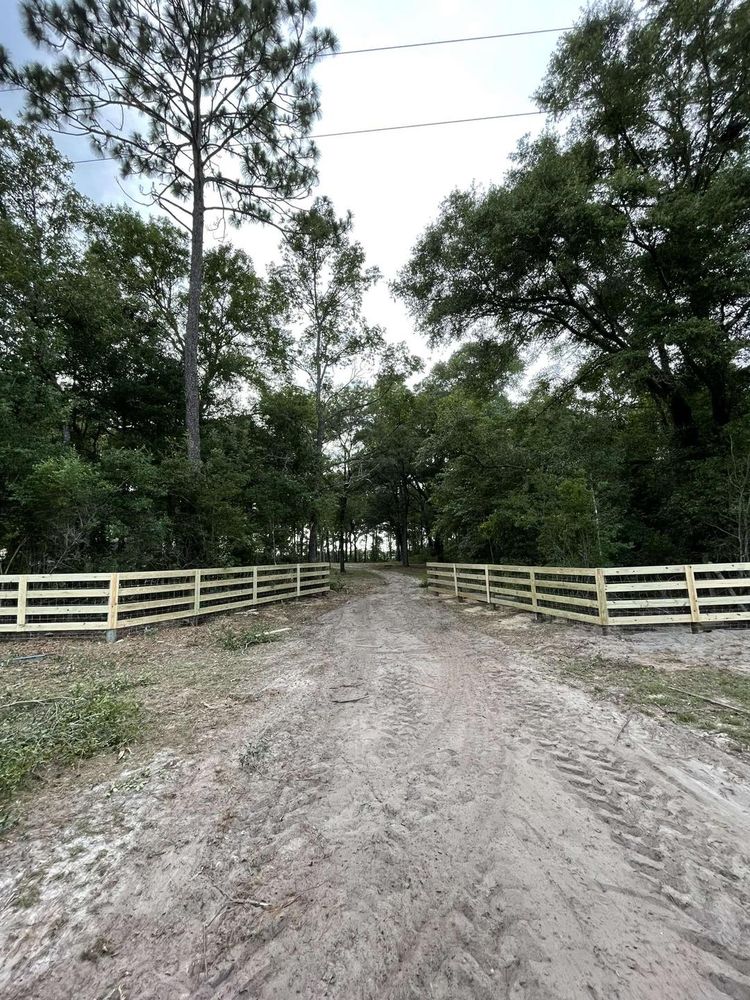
{"x":394,"y":182}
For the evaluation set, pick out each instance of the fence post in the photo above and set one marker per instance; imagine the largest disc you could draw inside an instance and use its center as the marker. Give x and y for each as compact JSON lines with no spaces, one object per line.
{"x":197,"y":594}
{"x":601,"y":598}
{"x":487,"y":583}
{"x":114,"y":597}
{"x":455,"y":582}
{"x":23,"y":586}
{"x":532,"y":587}
{"x":695,"y":611}
{"x":255,"y":584}
{"x":299,"y":588}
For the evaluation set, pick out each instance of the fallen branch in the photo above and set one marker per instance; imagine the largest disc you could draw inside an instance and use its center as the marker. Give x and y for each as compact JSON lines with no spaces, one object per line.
{"x":711,"y":701}
{"x":260,"y":903}
{"x":624,"y":727}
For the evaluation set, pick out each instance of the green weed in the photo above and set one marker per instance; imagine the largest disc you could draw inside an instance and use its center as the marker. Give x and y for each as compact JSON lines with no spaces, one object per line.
{"x":38,"y":731}
{"x":677,"y":694}
{"x":239,"y":640}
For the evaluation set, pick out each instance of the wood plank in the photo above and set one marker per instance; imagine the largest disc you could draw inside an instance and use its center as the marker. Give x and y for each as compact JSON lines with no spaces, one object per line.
{"x":722,"y":567}
{"x":35,"y":595}
{"x":157,"y":574}
{"x":726,"y":616}
{"x":114,"y":594}
{"x":167,"y":602}
{"x":564,"y":585}
{"x":207,"y":585}
{"x":582,"y":602}
{"x":622,"y":588}
{"x":641,"y":570}
{"x":64,"y":609}
{"x":509,"y":592}
{"x":153,"y":619}
{"x":56,"y":627}
{"x":725,"y":584}
{"x":63,"y":577}
{"x":21,"y":603}
{"x":650,"y":620}
{"x":563,"y":571}
{"x":725,"y":599}
{"x":572,"y":615}
{"x":157,"y":588}
{"x":695,"y":612}
{"x":653,"y":602}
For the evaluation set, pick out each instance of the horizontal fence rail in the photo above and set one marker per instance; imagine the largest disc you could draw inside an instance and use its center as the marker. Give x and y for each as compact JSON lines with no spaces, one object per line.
{"x":90,"y":602}
{"x":705,"y":593}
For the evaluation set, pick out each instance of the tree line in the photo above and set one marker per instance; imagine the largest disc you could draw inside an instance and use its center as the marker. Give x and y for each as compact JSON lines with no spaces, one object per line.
{"x":164,"y":404}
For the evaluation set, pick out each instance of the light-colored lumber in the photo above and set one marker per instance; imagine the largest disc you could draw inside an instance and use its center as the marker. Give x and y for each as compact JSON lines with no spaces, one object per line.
{"x":725,"y":599}
{"x":695,"y":611}
{"x":624,"y":588}
{"x":21,"y":602}
{"x":157,"y":574}
{"x":47,"y":610}
{"x":64,"y":592}
{"x":641,"y":570}
{"x":159,"y":588}
{"x":726,"y":583}
{"x":166,"y":602}
{"x":649,"y":619}
{"x":580,"y":602}
{"x":652,"y":602}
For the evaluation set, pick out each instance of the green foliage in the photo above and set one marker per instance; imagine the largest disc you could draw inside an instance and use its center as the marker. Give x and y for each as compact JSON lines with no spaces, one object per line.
{"x":681,"y":695}
{"x":240,"y":640}
{"x":92,"y":718}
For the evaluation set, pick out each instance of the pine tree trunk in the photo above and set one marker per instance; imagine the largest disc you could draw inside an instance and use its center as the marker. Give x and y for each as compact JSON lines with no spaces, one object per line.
{"x":190,"y":359}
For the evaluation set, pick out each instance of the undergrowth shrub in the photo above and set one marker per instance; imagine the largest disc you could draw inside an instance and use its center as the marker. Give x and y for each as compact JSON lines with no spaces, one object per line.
{"x":88,"y":719}
{"x":238,"y":640}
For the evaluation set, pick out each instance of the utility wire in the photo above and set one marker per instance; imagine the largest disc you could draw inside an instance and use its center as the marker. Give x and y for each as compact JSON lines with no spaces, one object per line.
{"x":445,"y":41}
{"x":449,"y":121}
{"x":410,"y":45}
{"x":383,"y":128}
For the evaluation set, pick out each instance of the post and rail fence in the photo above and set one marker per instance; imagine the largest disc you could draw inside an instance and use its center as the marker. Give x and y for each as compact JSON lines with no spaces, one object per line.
{"x":108,"y":602}
{"x":696,"y":595}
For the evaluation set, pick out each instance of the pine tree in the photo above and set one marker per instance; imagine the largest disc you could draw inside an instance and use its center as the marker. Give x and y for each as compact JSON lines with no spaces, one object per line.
{"x":210,"y":100}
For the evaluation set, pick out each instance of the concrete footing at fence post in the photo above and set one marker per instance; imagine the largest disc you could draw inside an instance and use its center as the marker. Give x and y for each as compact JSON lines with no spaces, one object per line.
{"x":111,"y":635}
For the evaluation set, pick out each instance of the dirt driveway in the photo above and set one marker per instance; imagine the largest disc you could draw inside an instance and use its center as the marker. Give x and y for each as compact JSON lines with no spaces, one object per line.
{"x":412,"y":809}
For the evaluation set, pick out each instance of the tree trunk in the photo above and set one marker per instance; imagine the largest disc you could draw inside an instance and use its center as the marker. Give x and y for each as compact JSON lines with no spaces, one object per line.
{"x":190,"y":358}
{"x":312,"y":546}
{"x":404,"y":527}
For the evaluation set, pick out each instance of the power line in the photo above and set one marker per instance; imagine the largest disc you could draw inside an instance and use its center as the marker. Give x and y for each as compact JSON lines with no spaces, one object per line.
{"x":410,"y":45}
{"x":449,"y":121}
{"x":383,"y":128}
{"x":446,"y":41}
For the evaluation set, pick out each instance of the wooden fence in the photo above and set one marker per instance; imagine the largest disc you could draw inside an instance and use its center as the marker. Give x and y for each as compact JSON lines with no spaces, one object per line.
{"x":91,"y":602}
{"x":702,"y":594}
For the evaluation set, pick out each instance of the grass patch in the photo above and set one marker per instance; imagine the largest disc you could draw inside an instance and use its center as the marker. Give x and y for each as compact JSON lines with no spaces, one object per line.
{"x":39,"y":730}
{"x":239,"y":640}
{"x":677,"y":694}
{"x":253,"y":753}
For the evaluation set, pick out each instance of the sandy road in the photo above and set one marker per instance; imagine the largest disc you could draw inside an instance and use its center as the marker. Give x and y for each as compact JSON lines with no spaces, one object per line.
{"x":429,"y":817}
